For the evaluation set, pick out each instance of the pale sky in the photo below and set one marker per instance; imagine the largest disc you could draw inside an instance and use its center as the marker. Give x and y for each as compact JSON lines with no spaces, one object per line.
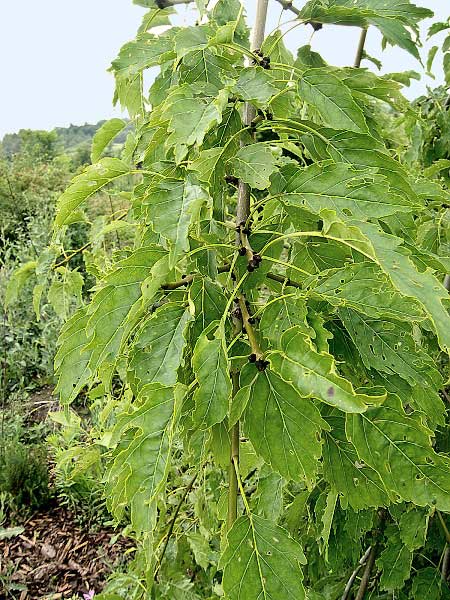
{"x":55,"y":53}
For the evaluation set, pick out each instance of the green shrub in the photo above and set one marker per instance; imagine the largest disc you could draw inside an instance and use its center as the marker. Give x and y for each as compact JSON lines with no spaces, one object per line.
{"x":24,"y":476}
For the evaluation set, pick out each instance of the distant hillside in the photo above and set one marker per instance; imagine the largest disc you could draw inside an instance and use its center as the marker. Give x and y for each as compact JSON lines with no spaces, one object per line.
{"x":69,"y":139}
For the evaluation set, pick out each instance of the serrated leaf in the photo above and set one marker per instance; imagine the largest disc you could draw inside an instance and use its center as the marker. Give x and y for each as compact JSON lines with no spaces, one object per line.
{"x":342,"y":188}
{"x":363,"y":287}
{"x":18,"y":280}
{"x":283,"y":427}
{"x":209,"y":303}
{"x":413,"y":526}
{"x":387,"y":251}
{"x":358,"y":484}
{"x":171,"y":206}
{"x":115,"y":307}
{"x":72,"y":358}
{"x":332,"y":99}
{"x":146,"y":51}
{"x":389,"y":347}
{"x":64,"y":291}
{"x":158,"y":348}
{"x":254,"y":165}
{"x":212,"y":396}
{"x":255,"y":86}
{"x":427,"y":583}
{"x":83,"y":186}
{"x":394,"y":562}
{"x":398,"y":447}
{"x":282,"y":314}
{"x":139,"y":464}
{"x":104,"y":135}
{"x":261,"y":561}
{"x":191,"y":118}
{"x":313,"y":374}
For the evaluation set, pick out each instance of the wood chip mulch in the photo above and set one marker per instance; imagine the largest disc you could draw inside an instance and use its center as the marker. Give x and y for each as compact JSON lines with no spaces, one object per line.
{"x":54,"y":558}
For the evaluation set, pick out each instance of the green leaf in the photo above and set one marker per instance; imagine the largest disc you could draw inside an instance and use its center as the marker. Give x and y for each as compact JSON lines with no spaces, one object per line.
{"x":209,"y":303}
{"x":431,"y":56}
{"x":363,"y":287}
{"x":72,"y":358}
{"x":387,"y":251}
{"x":313,"y":374}
{"x":254,"y":165}
{"x":340,"y":187}
{"x":10,"y":532}
{"x":204,"y":113}
{"x":255,"y":85}
{"x":147,"y":50}
{"x":213,"y":394}
{"x":281,"y":314}
{"x":18,"y":280}
{"x":261,"y":561}
{"x":398,"y":447}
{"x":115,"y":307}
{"x":158,"y":348}
{"x":171,"y":206}
{"x":413,"y":526}
{"x":283,"y":427}
{"x":389,"y":347}
{"x":83,"y":186}
{"x":358,"y":484}
{"x":394,"y":562}
{"x":139,"y":465}
{"x":189,"y":39}
{"x":332,"y":99}
{"x":64,"y":291}
{"x":104,"y":135}
{"x":427,"y":583}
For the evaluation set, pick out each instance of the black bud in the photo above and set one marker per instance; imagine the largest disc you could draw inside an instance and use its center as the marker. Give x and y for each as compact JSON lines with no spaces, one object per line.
{"x":316,"y":26}
{"x":252,"y":320}
{"x":250,"y":267}
{"x":261,"y":364}
{"x":254,"y":264}
{"x":242,"y":251}
{"x":246,"y":230}
{"x":257,"y":257}
{"x":260,"y":208}
{"x":233,"y":277}
{"x":252,"y":358}
{"x":184,"y":276}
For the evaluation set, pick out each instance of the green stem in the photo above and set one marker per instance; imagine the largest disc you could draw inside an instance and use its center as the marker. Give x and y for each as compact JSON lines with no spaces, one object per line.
{"x":360,"y":51}
{"x":234,"y":457}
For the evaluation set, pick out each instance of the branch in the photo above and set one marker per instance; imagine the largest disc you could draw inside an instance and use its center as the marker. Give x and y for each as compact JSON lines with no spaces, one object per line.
{"x":242,"y":214}
{"x":287,"y":5}
{"x":284,"y":280}
{"x":353,"y":576}
{"x":168,"y":3}
{"x":187,"y":279}
{"x":366,"y":576}
{"x":246,"y":319}
{"x":447,"y":282}
{"x":172,"y":522}
{"x":360,"y":51}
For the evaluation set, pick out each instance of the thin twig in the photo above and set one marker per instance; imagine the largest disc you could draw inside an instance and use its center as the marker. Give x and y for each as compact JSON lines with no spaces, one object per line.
{"x":361,"y":563}
{"x":445,"y":563}
{"x":249,"y":329}
{"x":172,"y":522}
{"x":287,"y":5}
{"x":366,"y":575}
{"x":187,"y":279}
{"x":360,"y":51}
{"x":234,"y":457}
{"x":447,"y":283}
{"x":284,"y":280}
{"x":444,"y":526}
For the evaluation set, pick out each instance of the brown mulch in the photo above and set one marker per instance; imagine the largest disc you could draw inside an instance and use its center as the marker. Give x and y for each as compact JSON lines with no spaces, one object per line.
{"x":55,"y":558}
